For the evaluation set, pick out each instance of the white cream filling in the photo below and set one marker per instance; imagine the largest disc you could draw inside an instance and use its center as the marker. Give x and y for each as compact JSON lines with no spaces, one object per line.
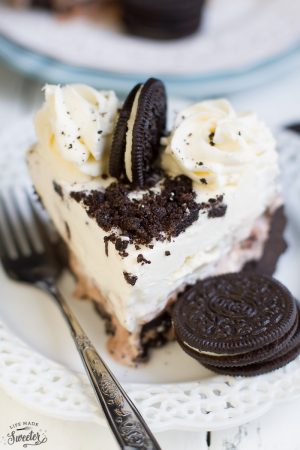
{"x":201,"y":352}
{"x":129,"y":136}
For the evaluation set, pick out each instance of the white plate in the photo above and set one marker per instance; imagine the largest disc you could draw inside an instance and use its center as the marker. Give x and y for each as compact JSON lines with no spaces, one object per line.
{"x":40,"y":367}
{"x":234,"y":39}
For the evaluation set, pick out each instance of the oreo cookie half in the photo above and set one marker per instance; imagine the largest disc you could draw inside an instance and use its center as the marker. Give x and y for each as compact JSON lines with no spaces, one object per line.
{"x":238,"y":323}
{"x":136,"y":140}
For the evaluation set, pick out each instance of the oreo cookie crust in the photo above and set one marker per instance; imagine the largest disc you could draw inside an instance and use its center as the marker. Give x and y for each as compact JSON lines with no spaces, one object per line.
{"x":233,"y":314}
{"x":141,"y":124}
{"x":274,"y":246}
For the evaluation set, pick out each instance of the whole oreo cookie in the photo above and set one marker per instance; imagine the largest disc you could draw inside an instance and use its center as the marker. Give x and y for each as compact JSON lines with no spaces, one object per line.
{"x":234,"y":313}
{"x":286,"y":355}
{"x":116,"y":160}
{"x":238,"y":324}
{"x":270,"y":351}
{"x":167,"y":19}
{"x":137,"y":135}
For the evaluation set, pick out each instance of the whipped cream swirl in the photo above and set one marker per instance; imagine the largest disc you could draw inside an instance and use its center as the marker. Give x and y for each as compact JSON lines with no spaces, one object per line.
{"x":77,"y":121}
{"x":212,"y":144}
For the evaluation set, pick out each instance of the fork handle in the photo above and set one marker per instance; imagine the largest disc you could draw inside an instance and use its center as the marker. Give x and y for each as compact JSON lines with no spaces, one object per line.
{"x":127,"y":424}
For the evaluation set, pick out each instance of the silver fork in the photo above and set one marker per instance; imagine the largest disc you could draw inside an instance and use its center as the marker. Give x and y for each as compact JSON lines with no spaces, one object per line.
{"x":41,"y":267}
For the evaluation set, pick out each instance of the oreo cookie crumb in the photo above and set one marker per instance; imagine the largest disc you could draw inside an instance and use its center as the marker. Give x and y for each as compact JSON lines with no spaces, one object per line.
{"x":131,"y":279}
{"x":167,"y":253}
{"x":141,"y":260}
{"x":211,"y":138}
{"x":68,"y":231}
{"x":58,"y":189}
{"x":203,"y":180}
{"x":215,"y":207}
{"x":217,"y":211}
{"x":154,"y":216}
{"x":119,"y":243}
{"x":155,"y":334}
{"x":107,"y":239}
{"x":38,"y":198}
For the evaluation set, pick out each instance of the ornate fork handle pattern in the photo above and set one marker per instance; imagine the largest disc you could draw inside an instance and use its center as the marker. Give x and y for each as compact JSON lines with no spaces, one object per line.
{"x":127,"y":424}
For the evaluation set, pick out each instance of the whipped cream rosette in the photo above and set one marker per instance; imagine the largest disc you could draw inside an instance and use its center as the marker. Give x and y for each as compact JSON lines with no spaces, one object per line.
{"x":77,"y":123}
{"x":214,"y":145}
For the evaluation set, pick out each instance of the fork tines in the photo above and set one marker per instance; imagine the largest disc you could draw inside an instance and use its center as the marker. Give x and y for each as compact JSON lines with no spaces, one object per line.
{"x":20,"y":227}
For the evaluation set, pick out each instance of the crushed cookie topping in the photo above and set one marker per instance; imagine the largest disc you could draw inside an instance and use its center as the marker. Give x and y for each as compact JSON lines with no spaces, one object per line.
{"x":154,"y":216}
{"x":131,"y":279}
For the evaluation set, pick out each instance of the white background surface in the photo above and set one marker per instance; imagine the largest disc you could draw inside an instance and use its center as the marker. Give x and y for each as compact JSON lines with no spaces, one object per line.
{"x":277,"y":103}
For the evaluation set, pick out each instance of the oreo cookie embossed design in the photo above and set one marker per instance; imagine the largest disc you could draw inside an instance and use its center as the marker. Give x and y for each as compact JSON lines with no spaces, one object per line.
{"x":238,"y":324}
{"x":241,"y":314}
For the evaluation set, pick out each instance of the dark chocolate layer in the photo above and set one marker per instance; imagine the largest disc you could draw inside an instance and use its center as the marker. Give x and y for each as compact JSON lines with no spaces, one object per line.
{"x":274,"y":247}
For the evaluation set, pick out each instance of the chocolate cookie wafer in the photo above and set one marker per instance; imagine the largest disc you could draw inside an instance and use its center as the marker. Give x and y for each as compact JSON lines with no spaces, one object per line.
{"x":116,"y":160}
{"x":238,"y":323}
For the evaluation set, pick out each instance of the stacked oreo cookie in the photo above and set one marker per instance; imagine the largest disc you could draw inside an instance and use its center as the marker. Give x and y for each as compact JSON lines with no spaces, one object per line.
{"x":238,"y":324}
{"x":162,"y":19}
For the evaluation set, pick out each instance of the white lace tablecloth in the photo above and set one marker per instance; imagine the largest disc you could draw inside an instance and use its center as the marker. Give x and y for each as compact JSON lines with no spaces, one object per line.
{"x":276,"y":103}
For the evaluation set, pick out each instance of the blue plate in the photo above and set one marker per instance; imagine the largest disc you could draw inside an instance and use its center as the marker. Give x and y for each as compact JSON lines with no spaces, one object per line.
{"x":50,"y":70}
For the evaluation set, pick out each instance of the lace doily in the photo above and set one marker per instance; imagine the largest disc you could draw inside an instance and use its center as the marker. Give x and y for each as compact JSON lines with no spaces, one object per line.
{"x":232,"y":39}
{"x":212,"y":403}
